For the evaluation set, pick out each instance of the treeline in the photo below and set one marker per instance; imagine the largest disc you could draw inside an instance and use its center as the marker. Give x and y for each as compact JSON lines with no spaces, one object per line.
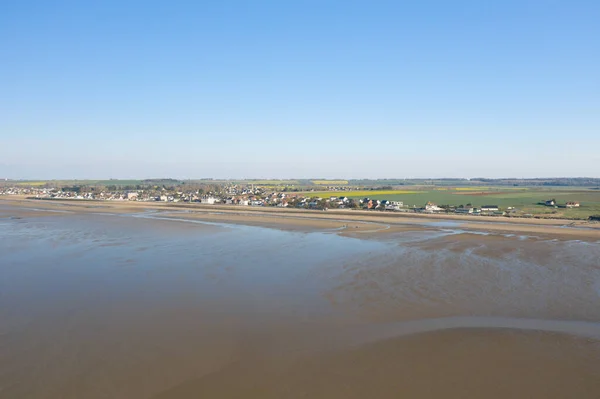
{"x":558,"y":181}
{"x":161,"y":181}
{"x":379,"y":182}
{"x":541,"y":182}
{"x":168,"y":185}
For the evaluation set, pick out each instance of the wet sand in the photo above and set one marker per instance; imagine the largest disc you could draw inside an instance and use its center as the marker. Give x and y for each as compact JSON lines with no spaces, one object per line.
{"x":156,"y":303}
{"x":460,"y":363}
{"x":285,"y":222}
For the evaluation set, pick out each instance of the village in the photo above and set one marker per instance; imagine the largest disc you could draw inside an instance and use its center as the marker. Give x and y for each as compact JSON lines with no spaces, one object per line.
{"x":251,"y":195}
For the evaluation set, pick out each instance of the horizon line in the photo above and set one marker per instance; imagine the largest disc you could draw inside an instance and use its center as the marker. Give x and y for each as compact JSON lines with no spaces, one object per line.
{"x":302,"y":178}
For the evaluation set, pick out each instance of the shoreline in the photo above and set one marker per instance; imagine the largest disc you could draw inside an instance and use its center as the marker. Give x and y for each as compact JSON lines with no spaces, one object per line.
{"x":342,"y":221}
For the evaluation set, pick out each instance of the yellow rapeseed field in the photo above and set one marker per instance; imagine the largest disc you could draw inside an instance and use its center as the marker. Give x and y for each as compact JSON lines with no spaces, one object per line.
{"x":31,"y":183}
{"x":330,"y":182}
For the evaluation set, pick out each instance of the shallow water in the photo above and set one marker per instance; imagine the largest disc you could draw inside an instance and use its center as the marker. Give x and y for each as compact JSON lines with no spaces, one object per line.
{"x":123,"y":306}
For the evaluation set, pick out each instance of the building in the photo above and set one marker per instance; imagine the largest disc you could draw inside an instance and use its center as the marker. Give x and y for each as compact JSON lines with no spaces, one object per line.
{"x":490,"y":208}
{"x":571,"y":204}
{"x":465,"y":210}
{"x":372,"y":204}
{"x":431,"y":207}
{"x":208,"y":200}
{"x":132,"y":196}
{"x":550,"y":202}
{"x":392,"y":205}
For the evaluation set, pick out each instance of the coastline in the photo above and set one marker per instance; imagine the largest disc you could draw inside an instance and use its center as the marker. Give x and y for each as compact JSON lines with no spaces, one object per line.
{"x":345,"y":222}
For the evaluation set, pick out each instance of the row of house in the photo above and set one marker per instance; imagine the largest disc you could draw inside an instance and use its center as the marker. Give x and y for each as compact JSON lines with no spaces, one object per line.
{"x":387,"y":205}
{"x":569,"y":204}
{"x":247,"y":197}
{"x":485,"y":209}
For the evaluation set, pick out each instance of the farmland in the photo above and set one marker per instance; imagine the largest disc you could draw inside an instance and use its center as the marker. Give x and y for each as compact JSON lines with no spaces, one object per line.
{"x":40,"y":183}
{"x":375,"y":194}
{"x":31,"y":183}
{"x":526,"y":201}
{"x":330,"y":182}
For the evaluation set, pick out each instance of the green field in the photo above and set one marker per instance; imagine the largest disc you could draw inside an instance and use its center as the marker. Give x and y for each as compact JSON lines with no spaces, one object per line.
{"x":50,"y":183}
{"x":525,"y":200}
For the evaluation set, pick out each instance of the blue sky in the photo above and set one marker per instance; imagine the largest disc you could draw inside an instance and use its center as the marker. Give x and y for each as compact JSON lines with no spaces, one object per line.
{"x":278,"y":89}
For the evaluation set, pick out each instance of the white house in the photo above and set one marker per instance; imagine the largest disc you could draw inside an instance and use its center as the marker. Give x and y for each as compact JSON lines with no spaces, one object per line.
{"x":397,"y":204}
{"x":208,"y":200}
{"x":431,"y":207}
{"x":489,"y":208}
{"x":464,"y":210}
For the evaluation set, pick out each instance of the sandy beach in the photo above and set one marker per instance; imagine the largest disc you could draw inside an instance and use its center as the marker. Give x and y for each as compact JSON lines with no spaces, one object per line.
{"x":346,"y":222}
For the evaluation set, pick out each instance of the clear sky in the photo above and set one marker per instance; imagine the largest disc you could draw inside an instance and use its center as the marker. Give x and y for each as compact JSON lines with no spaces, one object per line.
{"x":278,"y":89}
